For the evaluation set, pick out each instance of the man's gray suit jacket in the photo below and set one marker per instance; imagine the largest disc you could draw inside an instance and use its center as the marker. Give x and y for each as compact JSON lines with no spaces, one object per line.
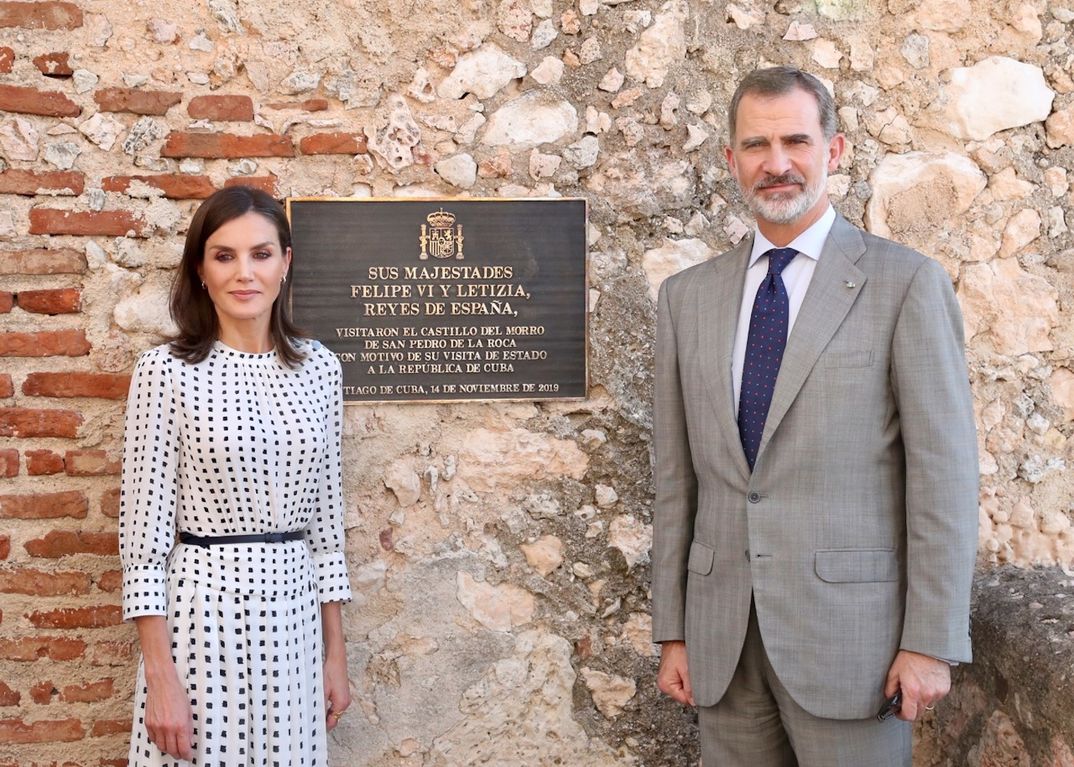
{"x":856,"y":532}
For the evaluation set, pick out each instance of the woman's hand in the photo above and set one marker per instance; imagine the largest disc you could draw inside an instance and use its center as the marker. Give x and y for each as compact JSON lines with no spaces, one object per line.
{"x":168,"y":717}
{"x":337,"y":688}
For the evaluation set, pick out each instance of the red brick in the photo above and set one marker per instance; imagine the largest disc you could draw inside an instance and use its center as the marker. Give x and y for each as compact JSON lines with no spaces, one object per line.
{"x":309,"y":105}
{"x":110,"y":580}
{"x":42,"y":261}
{"x":54,"y":64}
{"x":41,"y":15}
{"x":7,"y":388}
{"x":68,"y":503}
{"x":137,"y":101}
{"x":226,"y":145}
{"x":221,"y":108}
{"x":110,"y":503}
{"x":37,"y":583}
{"x":31,"y":101}
{"x":52,"y":301}
{"x":33,"y":648}
{"x":62,"y":543}
{"x":42,"y":693}
{"x":107,"y":223}
{"x":9,"y":464}
{"x":90,"y":692}
{"x":102,"y":385}
{"x":333,"y":143}
{"x":95,"y":617}
{"x":176,"y":186}
{"x":57,"y":731}
{"x":28,"y":182}
{"x":8,"y":697}
{"x":7,"y":301}
{"x":111,"y":763}
{"x":7,"y":59}
{"x":110,"y":727}
{"x":112,"y":653}
{"x":266,"y":184}
{"x":43,"y":462}
{"x":46,"y":343}
{"x":90,"y":463}
{"x":29,"y":422}
{"x":5,"y":546}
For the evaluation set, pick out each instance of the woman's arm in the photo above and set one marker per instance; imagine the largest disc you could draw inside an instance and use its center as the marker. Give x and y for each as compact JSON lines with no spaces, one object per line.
{"x":337,"y":690}
{"x":168,"y":716}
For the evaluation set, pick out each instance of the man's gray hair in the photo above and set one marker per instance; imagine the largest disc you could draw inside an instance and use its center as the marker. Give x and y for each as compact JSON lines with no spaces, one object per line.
{"x":778,"y":81}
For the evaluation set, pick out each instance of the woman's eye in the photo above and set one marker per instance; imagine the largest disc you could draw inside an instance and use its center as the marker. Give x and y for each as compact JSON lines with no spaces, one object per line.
{"x":224,"y":256}
{"x":262,"y":254}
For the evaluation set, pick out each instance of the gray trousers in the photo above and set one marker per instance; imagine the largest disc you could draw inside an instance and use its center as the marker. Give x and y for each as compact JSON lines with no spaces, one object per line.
{"x":758,"y":724}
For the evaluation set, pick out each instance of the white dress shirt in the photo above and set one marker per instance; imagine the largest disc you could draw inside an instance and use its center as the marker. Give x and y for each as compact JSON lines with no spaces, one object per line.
{"x":796,"y":278}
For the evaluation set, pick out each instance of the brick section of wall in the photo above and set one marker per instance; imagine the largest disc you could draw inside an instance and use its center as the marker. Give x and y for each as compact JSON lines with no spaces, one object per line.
{"x":28,"y":182}
{"x":46,"y":343}
{"x":98,"y":616}
{"x":66,"y":503}
{"x":32,"y":422}
{"x":40,"y":15}
{"x":140,"y":102}
{"x":333,"y":143}
{"x":176,"y":186}
{"x":110,"y":223}
{"x":42,"y":261}
{"x":90,"y":692}
{"x":54,"y":64}
{"x":37,"y":583}
{"x":43,"y":462}
{"x":9,"y":463}
{"x":7,"y":59}
{"x":54,"y":301}
{"x":267,"y":184}
{"x":7,"y":301}
{"x":110,"y":503}
{"x":64,"y":543}
{"x":42,"y":731}
{"x":102,"y":385}
{"x":226,"y":145}
{"x":9,"y":697}
{"x":31,"y":101}
{"x":33,"y":648}
{"x":221,"y":108}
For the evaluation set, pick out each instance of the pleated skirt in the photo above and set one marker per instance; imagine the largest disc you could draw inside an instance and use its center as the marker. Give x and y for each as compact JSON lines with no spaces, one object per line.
{"x":251,"y":663}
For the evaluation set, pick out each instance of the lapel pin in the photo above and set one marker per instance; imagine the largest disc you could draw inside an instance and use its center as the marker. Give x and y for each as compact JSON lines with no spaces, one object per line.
{"x":850,"y":284}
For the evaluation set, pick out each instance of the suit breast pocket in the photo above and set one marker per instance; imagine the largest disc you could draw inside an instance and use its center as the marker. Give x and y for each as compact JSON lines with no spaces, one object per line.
{"x":861,"y":358}
{"x":856,"y":565}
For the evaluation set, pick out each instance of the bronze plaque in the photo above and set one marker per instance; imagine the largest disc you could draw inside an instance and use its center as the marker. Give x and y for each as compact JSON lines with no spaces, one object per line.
{"x":445,"y":299}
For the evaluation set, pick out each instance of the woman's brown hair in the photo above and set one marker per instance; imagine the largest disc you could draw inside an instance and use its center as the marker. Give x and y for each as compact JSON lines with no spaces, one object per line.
{"x":191,"y":308}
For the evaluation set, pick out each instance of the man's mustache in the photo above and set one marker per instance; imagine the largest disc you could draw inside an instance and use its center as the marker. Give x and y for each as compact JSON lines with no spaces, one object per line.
{"x":786,"y":178}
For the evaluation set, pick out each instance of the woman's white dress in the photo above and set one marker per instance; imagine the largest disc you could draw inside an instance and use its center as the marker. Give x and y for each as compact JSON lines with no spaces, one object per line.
{"x":233,"y":445}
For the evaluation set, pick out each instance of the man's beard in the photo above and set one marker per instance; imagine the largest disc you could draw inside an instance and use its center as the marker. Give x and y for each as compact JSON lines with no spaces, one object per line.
{"x":785,"y":207}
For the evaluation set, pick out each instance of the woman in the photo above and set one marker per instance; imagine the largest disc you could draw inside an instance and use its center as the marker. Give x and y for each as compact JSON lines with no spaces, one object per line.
{"x":231,"y":529}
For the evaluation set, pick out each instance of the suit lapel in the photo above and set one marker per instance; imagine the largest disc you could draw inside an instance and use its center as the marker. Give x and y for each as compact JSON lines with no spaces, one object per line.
{"x":720,"y":296}
{"x":837,"y":282}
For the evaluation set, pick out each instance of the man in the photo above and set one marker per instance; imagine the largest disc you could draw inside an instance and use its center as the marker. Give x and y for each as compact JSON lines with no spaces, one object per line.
{"x":816,"y":465}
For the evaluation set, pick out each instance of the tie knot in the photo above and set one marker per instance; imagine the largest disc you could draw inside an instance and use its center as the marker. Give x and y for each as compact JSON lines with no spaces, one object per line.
{"x":778,"y":258}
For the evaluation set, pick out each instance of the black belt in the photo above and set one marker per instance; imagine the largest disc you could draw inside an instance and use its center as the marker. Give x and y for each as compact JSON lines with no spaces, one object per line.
{"x":216,"y":540}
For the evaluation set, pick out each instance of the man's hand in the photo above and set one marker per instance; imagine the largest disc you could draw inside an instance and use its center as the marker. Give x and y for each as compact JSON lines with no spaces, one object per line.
{"x":673,"y":678}
{"x":922,"y":679}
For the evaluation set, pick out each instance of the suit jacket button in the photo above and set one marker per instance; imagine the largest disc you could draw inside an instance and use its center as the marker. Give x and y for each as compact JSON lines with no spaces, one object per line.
{"x":754,"y":497}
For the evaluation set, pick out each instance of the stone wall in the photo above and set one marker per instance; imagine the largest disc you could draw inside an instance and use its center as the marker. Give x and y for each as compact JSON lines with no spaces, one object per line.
{"x":499,"y":551}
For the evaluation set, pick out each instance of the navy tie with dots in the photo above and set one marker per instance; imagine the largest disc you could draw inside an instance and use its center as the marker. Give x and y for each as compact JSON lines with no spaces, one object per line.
{"x":764,"y":352}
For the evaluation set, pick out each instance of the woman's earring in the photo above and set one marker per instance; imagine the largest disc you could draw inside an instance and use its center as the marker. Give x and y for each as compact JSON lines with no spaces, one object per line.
{"x":284,"y":278}
{"x":203,"y":284}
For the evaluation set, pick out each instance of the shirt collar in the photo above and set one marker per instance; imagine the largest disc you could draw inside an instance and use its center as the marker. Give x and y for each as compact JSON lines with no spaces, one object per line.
{"x":809,"y":243}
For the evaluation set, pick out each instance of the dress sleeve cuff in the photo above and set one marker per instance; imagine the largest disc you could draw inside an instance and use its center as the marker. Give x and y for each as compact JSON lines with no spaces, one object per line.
{"x":144,"y":591}
{"x":332,"y":582}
